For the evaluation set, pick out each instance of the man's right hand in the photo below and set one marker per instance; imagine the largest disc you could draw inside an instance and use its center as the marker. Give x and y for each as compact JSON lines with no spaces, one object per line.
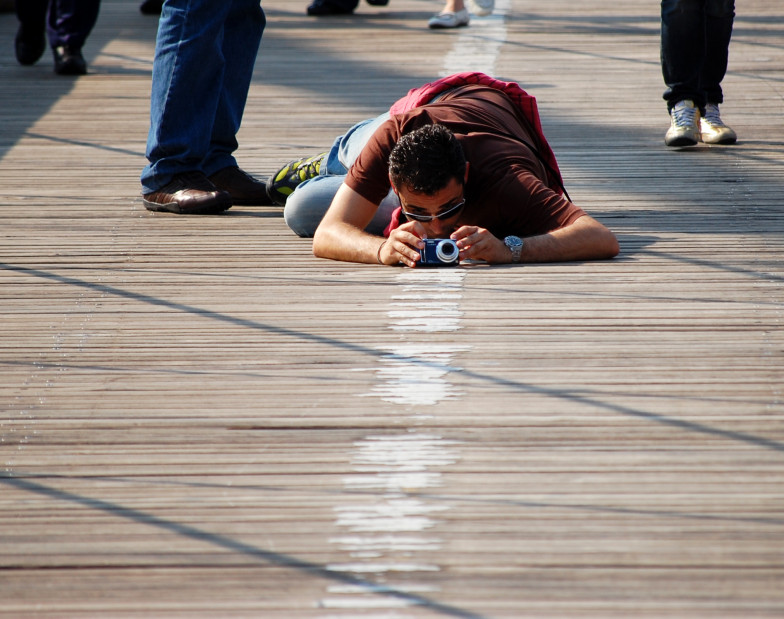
{"x":403,"y":245}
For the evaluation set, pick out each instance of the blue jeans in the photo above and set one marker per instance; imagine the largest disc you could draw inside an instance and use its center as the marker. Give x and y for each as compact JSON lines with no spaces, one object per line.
{"x":307,"y":205}
{"x":204,"y":58}
{"x":695,"y":40}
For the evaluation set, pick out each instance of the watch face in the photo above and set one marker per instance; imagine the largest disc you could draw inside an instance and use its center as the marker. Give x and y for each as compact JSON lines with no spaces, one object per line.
{"x":515,"y":245}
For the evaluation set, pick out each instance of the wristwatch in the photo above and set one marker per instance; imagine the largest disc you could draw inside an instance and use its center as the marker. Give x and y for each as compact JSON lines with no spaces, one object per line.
{"x":515,"y":245}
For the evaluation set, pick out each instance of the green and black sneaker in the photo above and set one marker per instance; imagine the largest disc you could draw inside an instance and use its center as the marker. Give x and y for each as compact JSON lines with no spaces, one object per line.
{"x":283,"y":183}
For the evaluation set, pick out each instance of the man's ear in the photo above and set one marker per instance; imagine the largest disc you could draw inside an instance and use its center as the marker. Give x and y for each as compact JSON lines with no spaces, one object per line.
{"x":465,"y":178}
{"x":391,"y":184}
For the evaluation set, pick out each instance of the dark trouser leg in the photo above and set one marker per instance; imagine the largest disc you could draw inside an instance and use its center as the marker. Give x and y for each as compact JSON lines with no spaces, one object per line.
{"x":71,"y":21}
{"x":720,"y":15}
{"x":695,"y":40}
{"x":32,"y":12}
{"x":30,"y":41}
{"x":682,"y":49}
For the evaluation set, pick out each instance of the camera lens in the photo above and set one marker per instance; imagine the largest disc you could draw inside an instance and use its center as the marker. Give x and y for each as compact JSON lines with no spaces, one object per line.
{"x":447,"y":251}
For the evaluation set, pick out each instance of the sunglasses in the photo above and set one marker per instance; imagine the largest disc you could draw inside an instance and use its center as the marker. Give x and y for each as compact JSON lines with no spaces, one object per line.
{"x":450,"y":212}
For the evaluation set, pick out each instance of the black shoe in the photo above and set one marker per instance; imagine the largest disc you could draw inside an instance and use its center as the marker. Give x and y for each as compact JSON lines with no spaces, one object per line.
{"x":242,"y":187}
{"x":68,"y":61}
{"x":151,"y":7}
{"x":378,"y":2}
{"x":29,"y":45}
{"x":190,"y":193}
{"x":324,"y":7}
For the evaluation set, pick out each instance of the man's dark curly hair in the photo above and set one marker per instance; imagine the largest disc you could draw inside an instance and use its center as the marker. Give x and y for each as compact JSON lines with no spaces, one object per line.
{"x":426,"y":159}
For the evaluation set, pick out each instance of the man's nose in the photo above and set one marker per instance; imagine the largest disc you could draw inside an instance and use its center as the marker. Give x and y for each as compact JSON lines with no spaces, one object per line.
{"x":438,"y":229}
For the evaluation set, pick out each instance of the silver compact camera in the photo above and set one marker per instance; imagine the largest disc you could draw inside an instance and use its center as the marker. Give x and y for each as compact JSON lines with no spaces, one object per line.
{"x":439,"y":252}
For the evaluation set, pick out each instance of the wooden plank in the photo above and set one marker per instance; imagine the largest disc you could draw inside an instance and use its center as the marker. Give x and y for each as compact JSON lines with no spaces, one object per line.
{"x":201,"y":419}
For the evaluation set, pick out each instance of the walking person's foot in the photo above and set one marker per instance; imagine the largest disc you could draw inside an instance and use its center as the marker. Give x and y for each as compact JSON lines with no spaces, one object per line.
{"x":458,"y":19}
{"x":69,"y":61}
{"x":30,"y":44}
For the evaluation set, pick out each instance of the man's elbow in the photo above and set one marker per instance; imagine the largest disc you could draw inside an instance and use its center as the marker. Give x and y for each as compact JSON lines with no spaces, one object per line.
{"x":611,"y":246}
{"x":599,"y":242}
{"x":318,"y":243}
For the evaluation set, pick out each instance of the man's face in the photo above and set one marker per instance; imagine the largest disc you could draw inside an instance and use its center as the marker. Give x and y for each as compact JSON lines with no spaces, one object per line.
{"x":444,"y":207}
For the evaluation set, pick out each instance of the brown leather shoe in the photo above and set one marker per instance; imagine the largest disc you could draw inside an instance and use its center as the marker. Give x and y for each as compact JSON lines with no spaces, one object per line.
{"x":190,"y":193}
{"x":244,"y":189}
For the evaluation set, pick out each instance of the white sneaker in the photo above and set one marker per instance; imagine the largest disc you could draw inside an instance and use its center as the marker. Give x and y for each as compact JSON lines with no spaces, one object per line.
{"x":713,"y":129}
{"x":481,"y":7}
{"x":449,"y":20}
{"x":684,"y":125}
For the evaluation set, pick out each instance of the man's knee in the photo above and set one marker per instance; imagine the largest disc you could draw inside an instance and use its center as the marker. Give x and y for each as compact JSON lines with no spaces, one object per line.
{"x":306,"y":207}
{"x":302,"y":220}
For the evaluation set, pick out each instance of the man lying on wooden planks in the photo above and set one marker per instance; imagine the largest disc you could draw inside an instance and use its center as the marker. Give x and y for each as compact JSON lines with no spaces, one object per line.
{"x":463,"y":159}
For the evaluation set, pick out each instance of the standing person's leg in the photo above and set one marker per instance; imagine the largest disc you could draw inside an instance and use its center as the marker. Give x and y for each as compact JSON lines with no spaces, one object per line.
{"x":242,"y":35}
{"x":719,"y":18}
{"x":187,"y":83}
{"x":682,"y":58}
{"x":30,"y":42}
{"x":683,"y":50}
{"x":69,"y":24}
{"x":720,"y":15}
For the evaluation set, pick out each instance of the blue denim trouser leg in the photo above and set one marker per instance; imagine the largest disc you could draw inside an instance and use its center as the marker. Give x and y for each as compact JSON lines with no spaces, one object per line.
{"x":306,"y":207}
{"x":695,"y":41}
{"x":204,"y":58}
{"x":70,"y":21}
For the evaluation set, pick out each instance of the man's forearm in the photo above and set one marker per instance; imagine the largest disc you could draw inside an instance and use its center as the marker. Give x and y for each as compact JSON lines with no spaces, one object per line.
{"x":585,"y":239}
{"x":341,"y":234}
{"x":346,"y":243}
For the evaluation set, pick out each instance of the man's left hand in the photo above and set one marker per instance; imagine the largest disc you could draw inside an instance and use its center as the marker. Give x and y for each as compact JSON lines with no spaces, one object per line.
{"x":477,"y":243}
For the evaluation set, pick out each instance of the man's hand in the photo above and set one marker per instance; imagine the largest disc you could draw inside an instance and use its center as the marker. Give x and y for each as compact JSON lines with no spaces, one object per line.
{"x":477,"y":243}
{"x":403,"y":245}
{"x":584,"y":239}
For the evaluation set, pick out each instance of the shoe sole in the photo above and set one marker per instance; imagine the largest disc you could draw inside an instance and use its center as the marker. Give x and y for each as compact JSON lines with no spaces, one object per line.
{"x":681,"y":141}
{"x":329,"y":12}
{"x":277,"y":192}
{"x":173,"y":207}
{"x":722,"y":142}
{"x":442,"y":27}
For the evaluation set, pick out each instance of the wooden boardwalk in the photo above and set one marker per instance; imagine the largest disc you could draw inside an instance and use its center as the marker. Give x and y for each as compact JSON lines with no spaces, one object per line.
{"x":200,"y":419}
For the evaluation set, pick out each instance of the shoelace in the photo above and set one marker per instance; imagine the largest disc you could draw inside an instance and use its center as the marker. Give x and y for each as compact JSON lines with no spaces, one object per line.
{"x":712,"y":116}
{"x":309,"y":168}
{"x":684,"y":116}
